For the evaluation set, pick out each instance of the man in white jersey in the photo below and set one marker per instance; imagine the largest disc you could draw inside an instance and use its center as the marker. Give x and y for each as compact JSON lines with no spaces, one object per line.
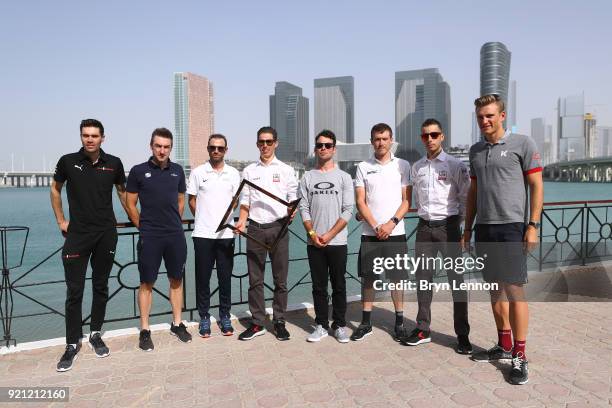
{"x":211,"y":188}
{"x":440,"y":183}
{"x":382,"y":194}
{"x":266,"y":218}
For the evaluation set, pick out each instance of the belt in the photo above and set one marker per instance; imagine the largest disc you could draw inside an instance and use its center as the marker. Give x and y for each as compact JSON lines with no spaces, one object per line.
{"x":439,"y":223}
{"x":272,"y":224}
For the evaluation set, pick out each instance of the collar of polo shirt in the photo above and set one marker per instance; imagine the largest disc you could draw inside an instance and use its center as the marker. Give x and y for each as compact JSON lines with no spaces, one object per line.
{"x":375,"y":160}
{"x":501,"y":141}
{"x":153,"y":164}
{"x":209,"y":168}
{"x":83,"y":157}
{"x":441,"y":156}
{"x":274,"y":161}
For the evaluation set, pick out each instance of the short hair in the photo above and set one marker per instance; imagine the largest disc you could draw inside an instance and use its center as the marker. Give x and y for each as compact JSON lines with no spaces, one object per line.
{"x":431,"y":122}
{"x":380,"y":128}
{"x":328,"y":134}
{"x":217,"y":136}
{"x":161,"y":132}
{"x":267,"y":129}
{"x":485,"y":100}
{"x":91,"y":123}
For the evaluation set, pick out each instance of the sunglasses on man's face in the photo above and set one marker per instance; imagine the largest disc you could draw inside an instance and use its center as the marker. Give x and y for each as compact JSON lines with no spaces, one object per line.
{"x":433,"y":135}
{"x":216,"y":148}
{"x":268,"y":142}
{"x":322,"y":145}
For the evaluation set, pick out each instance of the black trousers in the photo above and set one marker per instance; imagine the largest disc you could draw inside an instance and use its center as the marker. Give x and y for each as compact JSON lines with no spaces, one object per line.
{"x":328,"y":263}
{"x":429,"y":241}
{"x":98,"y":248}
{"x":207,"y":253}
{"x":256,"y":263}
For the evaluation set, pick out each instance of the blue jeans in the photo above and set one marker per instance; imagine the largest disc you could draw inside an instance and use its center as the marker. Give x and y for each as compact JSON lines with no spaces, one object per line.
{"x":207,"y":252}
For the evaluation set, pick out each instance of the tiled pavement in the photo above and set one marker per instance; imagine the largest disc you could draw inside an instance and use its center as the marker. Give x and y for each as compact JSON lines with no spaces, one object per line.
{"x":569,"y":348}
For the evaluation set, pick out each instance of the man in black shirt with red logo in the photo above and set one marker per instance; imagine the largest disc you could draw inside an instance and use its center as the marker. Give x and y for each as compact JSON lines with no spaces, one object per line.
{"x":90,"y":232}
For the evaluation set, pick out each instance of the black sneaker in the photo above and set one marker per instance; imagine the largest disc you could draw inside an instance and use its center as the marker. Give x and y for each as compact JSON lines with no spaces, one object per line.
{"x":519,"y":374}
{"x":495,"y":353}
{"x":416,"y":337}
{"x":68,"y":358}
{"x":98,"y":346}
{"x":181,"y":332}
{"x":463,"y":345}
{"x":361,"y":332}
{"x":399,"y":332}
{"x":254,"y":330}
{"x":280,"y":331}
{"x":144,"y":342}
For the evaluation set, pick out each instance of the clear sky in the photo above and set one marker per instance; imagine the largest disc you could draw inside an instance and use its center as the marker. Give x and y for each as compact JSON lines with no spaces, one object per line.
{"x":114,"y":60}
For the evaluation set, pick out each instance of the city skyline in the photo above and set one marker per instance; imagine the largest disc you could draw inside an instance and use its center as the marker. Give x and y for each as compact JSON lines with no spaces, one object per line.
{"x":119,"y":69}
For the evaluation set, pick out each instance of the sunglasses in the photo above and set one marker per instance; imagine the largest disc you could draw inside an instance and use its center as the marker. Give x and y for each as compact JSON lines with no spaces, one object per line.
{"x":433,"y":135}
{"x":326,"y":145}
{"x":268,"y":142}
{"x":216,"y":148}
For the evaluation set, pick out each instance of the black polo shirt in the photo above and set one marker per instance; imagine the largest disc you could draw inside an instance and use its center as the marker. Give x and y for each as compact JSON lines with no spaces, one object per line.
{"x":158,"y":191}
{"x":89,"y":187}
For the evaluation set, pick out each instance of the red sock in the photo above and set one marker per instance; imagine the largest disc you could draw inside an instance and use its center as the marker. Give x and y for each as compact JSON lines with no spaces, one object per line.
{"x":504,"y":339}
{"x":519,"y":347}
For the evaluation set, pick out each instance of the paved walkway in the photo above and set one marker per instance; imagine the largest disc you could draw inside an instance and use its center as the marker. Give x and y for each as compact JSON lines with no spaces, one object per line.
{"x":569,"y":348}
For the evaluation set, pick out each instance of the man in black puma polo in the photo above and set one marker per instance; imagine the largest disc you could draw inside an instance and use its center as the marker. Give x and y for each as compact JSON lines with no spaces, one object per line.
{"x":90,"y":232}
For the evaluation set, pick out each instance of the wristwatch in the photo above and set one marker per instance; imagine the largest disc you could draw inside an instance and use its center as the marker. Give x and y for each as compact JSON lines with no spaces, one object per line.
{"x":395,"y":220}
{"x":534,"y":224}
{"x":312,"y":233}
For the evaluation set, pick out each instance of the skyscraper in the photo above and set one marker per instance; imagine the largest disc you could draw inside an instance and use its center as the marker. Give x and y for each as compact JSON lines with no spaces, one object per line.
{"x":552,"y":145}
{"x":495,"y":69}
{"x":419,"y":94}
{"x":511,"y":108}
{"x":289,"y":116}
{"x":476,"y":135}
{"x":538,"y":134}
{"x":570,"y":127}
{"x":335,"y":107}
{"x":604,"y":135}
{"x":193,"y":119}
{"x":591,"y":145}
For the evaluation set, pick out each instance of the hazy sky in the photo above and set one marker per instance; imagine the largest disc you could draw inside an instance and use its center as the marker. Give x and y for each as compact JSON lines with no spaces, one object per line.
{"x":114,"y":60}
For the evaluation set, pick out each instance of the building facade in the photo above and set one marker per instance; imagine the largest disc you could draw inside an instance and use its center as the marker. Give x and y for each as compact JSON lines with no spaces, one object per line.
{"x":289,"y":116}
{"x":419,"y":94}
{"x":570,"y":128}
{"x":193,"y":119}
{"x":591,"y":147}
{"x":334,"y":100}
{"x":495,"y":69}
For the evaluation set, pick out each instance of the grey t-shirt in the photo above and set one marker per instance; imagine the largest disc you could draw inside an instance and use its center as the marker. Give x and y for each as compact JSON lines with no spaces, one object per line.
{"x":500,"y":170}
{"x":326,"y":196}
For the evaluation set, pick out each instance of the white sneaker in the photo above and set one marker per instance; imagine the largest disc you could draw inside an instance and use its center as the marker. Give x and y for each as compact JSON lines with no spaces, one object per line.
{"x":341,"y":335}
{"x":318,"y":334}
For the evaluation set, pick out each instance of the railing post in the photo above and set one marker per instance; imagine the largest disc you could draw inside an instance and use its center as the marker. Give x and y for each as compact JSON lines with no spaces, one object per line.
{"x":6,"y":290}
{"x":586,"y":238}
{"x":541,"y":236}
{"x":583,"y":241}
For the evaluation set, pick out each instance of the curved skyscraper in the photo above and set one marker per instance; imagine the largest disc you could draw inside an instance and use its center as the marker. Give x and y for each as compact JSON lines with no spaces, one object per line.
{"x":495,"y":69}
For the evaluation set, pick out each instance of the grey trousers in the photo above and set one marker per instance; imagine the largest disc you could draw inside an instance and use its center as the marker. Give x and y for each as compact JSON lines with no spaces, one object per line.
{"x":429,"y":241}
{"x":256,"y":263}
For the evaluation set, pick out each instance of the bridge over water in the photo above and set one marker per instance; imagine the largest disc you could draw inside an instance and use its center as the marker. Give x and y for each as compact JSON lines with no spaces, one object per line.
{"x":597,"y":169}
{"x":25,"y":178}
